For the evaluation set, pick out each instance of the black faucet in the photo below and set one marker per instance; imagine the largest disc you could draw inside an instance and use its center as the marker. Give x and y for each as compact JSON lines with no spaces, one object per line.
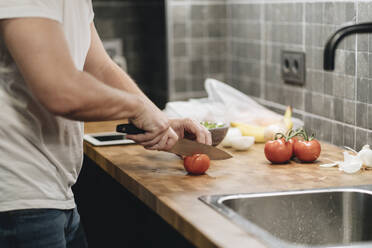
{"x":335,"y":39}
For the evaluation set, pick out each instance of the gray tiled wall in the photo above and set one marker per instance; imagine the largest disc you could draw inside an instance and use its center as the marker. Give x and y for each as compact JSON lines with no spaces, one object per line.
{"x":141,"y":26}
{"x":196,"y":45}
{"x":337,"y":106}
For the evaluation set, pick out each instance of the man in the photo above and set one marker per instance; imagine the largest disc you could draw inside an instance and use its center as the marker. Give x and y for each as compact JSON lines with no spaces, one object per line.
{"x":55,"y":73}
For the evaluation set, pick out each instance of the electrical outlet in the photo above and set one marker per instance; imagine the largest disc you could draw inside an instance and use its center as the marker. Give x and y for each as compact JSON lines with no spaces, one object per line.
{"x":293,"y":67}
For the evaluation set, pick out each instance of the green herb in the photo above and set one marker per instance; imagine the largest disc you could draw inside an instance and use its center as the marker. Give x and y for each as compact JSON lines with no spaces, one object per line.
{"x":211,"y":125}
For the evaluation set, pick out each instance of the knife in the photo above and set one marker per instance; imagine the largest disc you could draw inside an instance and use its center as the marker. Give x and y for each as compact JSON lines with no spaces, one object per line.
{"x":129,"y":129}
{"x":183,"y":147}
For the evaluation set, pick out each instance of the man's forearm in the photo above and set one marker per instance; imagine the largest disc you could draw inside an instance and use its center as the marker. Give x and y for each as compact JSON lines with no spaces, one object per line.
{"x":114,"y":76}
{"x":81,"y":101}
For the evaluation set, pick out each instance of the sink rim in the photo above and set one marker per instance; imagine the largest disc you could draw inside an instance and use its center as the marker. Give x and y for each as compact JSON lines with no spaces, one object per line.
{"x":216,"y":202}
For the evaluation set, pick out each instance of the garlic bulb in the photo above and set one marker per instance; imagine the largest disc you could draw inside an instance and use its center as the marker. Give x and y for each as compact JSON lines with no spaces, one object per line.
{"x":366,"y":155}
{"x":353,"y":163}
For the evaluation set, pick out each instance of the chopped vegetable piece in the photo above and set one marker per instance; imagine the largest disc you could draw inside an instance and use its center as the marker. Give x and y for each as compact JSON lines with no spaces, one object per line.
{"x":211,"y":125}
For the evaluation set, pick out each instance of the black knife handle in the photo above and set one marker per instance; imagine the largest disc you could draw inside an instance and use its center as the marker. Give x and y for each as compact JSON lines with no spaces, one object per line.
{"x":129,"y":129}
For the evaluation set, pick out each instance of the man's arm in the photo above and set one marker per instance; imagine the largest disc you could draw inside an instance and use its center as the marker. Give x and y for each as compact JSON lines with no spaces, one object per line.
{"x":40,"y":50}
{"x":99,"y":64}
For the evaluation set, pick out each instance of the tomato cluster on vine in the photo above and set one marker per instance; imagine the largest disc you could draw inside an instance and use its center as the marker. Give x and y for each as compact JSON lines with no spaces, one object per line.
{"x":295,"y":144}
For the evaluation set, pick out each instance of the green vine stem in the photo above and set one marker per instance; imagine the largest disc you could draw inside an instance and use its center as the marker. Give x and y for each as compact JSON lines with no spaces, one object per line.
{"x":293,"y":133}
{"x":290,"y":134}
{"x":279,"y":136}
{"x":303,"y":133}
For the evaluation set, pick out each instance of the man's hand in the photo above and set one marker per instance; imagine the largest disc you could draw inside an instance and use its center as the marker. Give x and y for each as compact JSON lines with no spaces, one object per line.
{"x":159,"y":135}
{"x":189,"y":126}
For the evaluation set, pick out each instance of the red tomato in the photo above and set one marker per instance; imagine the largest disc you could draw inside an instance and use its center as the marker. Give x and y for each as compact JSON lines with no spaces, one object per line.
{"x":278,"y":151}
{"x":196,"y":164}
{"x":307,"y":151}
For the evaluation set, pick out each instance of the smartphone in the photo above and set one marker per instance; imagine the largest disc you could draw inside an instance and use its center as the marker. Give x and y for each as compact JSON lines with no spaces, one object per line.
{"x":107,"y":139}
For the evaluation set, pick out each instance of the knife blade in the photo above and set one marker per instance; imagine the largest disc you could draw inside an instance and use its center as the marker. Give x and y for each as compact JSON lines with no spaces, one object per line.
{"x":183,"y":147}
{"x":187,"y":147}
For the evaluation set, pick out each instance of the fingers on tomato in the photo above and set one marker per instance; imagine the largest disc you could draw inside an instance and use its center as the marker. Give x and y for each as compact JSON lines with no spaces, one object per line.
{"x":196,"y":164}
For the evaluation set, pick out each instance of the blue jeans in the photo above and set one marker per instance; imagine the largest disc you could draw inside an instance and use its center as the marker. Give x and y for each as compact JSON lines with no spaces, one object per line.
{"x":41,"y":228}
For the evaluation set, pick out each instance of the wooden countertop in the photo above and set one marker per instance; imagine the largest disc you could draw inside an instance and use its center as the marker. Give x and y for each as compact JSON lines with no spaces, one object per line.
{"x":160,"y":181}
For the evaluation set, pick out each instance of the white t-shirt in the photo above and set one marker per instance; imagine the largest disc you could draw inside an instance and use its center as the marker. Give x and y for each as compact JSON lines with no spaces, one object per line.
{"x":40,"y":154}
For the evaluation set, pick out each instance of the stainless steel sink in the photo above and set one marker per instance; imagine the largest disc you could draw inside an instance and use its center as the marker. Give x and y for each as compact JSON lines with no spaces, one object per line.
{"x":330,"y":217}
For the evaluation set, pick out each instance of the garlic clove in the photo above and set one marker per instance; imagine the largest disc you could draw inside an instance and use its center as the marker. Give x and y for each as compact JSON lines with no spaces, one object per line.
{"x":352,"y":167}
{"x":242,"y":143}
{"x":231,"y":133}
{"x":348,"y":157}
{"x":351,"y":163}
